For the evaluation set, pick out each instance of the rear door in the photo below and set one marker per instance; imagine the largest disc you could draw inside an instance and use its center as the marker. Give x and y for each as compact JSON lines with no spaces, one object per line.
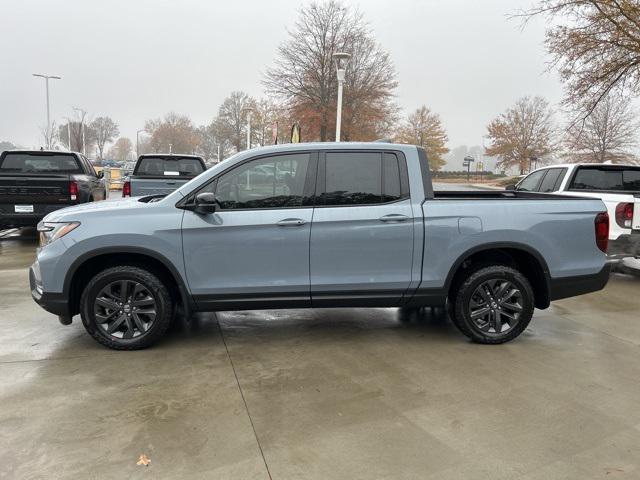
{"x":93,"y":185}
{"x":362,"y":231}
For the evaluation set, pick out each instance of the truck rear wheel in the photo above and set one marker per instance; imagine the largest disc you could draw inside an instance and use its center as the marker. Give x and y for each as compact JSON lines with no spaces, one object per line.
{"x":126,"y":308}
{"x":493,"y":304}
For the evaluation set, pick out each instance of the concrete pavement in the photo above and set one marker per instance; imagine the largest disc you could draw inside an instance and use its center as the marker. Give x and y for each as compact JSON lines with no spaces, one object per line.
{"x":320,"y":394}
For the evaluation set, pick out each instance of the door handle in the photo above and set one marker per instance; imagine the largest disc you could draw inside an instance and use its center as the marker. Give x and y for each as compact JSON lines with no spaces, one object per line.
{"x":394,"y":217}
{"x":291,"y":222}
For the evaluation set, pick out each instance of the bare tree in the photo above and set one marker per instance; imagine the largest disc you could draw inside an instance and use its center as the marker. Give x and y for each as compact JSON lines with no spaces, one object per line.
{"x":211,"y":143}
{"x":6,"y":145}
{"x":595,"y":44}
{"x":79,"y":130}
{"x":175,"y":133}
{"x":104,"y":130}
{"x":424,"y":128}
{"x":304,"y":75}
{"x":608,"y":134}
{"x":231,"y":123}
{"x":121,"y":150}
{"x":523,"y":133}
{"x":50,"y":135}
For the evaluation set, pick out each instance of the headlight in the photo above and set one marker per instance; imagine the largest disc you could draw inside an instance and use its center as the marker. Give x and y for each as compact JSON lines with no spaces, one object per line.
{"x":50,"y":231}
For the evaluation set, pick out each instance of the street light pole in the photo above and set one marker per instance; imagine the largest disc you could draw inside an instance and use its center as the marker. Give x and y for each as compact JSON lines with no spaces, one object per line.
{"x":46,"y":79}
{"x":341,"y":60}
{"x":248,"y":129}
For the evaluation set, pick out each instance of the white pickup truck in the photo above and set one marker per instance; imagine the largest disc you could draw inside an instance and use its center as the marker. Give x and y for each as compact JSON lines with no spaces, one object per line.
{"x":618,"y":186}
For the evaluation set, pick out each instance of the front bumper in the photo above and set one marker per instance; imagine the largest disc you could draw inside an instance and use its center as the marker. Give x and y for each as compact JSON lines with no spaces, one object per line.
{"x":56,"y":303}
{"x":627,"y":245}
{"x":566,"y":287}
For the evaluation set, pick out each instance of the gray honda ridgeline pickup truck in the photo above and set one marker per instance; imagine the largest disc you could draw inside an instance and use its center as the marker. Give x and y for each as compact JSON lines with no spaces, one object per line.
{"x":318,"y":225}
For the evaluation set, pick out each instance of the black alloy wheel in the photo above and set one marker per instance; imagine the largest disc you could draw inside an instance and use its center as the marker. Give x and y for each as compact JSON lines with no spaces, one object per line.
{"x":493,"y":304}
{"x":126,"y":307}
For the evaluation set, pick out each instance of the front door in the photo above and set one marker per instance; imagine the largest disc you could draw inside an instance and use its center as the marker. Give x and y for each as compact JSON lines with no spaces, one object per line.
{"x":362,"y":231}
{"x":253,"y":252}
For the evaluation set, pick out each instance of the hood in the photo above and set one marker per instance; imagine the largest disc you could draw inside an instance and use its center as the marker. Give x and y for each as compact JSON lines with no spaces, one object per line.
{"x":78,"y":211}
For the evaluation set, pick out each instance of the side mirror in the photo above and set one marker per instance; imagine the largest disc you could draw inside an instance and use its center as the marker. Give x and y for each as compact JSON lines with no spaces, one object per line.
{"x":510,"y":187}
{"x":206,"y":203}
{"x":100,"y":174}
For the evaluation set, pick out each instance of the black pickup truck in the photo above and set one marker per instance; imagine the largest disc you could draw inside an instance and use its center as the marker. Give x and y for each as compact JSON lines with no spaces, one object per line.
{"x":34,"y":183}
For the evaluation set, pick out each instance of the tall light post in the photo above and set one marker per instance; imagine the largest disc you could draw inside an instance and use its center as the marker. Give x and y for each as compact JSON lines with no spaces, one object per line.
{"x":46,"y":79}
{"x":138,"y":142}
{"x":341,"y":60}
{"x":248,"y":128}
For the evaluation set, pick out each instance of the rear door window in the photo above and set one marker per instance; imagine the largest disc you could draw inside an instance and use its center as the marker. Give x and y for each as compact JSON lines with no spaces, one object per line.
{"x":35,"y":163}
{"x":606,"y":179}
{"x":550,"y":180}
{"x":173,"y":167}
{"x":531,"y":182}
{"x":362,"y":178}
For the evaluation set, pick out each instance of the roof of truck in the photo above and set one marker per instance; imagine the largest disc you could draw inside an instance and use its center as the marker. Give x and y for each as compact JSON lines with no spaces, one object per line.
{"x":25,"y":150}
{"x":588,"y":164}
{"x":169,"y":155}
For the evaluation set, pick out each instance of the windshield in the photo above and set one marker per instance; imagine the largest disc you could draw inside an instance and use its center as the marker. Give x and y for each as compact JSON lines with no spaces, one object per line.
{"x":39,"y":163}
{"x":604,"y":178}
{"x":163,"y":166}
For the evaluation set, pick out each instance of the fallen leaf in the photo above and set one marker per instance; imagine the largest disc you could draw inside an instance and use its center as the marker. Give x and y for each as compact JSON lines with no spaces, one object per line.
{"x":611,"y":470}
{"x":144,"y":460}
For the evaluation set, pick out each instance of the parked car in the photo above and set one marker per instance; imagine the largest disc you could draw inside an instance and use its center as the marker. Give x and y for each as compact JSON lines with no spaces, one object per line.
{"x":34,"y":183}
{"x":351,"y":225}
{"x":618,"y":186}
{"x":161,"y":174}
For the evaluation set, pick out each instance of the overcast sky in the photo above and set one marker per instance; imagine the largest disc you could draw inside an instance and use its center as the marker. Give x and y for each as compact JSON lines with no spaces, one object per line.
{"x":138,"y":59}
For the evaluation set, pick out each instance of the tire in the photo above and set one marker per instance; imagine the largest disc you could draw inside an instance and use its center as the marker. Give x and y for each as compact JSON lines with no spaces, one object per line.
{"x":493,"y":298}
{"x":129,"y":323}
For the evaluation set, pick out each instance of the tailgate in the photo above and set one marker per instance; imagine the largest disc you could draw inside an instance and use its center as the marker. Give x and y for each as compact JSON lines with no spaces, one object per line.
{"x":155,"y":186}
{"x":34,"y":189}
{"x":636,"y":214}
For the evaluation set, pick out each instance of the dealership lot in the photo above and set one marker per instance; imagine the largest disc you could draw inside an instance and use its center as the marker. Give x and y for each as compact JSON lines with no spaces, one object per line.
{"x":321,"y":394}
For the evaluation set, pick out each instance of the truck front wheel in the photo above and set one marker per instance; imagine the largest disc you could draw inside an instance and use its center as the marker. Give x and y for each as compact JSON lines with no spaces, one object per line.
{"x":126,"y":308}
{"x":493,"y":304}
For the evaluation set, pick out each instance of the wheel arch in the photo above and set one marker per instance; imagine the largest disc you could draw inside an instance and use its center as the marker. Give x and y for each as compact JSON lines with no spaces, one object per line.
{"x":523,"y":257}
{"x":86,"y":265}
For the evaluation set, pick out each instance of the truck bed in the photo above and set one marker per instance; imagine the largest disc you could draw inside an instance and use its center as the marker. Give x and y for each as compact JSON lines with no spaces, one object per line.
{"x":497,"y":195}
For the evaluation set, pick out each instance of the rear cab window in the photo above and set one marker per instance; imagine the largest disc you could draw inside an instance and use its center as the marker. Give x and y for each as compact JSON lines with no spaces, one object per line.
{"x":39,"y":163}
{"x":604,"y":178}
{"x":174,"y":166}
